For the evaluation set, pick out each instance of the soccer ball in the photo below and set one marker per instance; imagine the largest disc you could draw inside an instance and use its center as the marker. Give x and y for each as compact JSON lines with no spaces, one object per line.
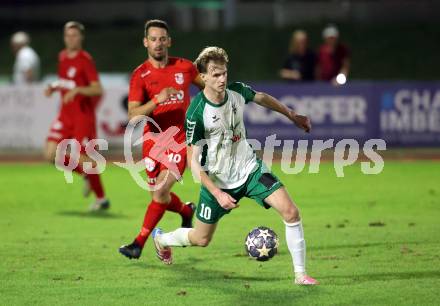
{"x":261,"y":243}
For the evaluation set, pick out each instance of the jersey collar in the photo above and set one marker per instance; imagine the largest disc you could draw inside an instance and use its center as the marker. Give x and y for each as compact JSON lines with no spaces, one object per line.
{"x":215,"y":104}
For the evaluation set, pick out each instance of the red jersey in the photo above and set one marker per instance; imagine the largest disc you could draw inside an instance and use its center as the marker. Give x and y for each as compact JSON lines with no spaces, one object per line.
{"x":77,"y":72}
{"x":147,"y":81}
{"x":330,"y":62}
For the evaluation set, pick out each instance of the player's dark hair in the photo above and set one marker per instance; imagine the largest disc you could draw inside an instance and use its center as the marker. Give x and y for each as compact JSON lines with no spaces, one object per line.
{"x":157,"y":24}
{"x":215,"y":54}
{"x":75,"y":25}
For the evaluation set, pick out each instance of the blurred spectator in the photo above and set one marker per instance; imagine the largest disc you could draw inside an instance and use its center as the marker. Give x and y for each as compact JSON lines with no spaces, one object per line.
{"x":27,"y":62}
{"x":301,"y":63}
{"x":333,"y":57}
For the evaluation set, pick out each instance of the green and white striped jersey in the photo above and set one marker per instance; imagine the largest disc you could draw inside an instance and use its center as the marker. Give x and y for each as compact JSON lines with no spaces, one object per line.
{"x":219,"y":129}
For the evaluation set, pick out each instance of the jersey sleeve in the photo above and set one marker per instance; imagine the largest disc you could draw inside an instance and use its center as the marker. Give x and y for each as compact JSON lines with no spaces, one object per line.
{"x":194,"y":126}
{"x":136,"y":91}
{"x":244,"y":90}
{"x":90,"y":70}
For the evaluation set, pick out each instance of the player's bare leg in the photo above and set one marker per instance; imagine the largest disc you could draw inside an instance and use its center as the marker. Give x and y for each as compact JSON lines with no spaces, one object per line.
{"x":283,"y":204}
{"x":202,"y":233}
{"x":50,"y":151}
{"x":162,"y":200}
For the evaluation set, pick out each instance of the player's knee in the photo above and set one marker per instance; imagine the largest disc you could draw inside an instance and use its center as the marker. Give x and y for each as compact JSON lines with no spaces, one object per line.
{"x":161,"y":195}
{"x":291,"y":214}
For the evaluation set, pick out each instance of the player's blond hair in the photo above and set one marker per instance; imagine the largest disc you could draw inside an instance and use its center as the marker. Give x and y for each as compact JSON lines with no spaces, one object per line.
{"x":215,"y":54}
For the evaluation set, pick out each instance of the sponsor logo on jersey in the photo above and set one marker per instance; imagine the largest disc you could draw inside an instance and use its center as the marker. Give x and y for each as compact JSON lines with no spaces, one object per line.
{"x":179,"y":78}
{"x":71,"y":72}
{"x":173,"y":99}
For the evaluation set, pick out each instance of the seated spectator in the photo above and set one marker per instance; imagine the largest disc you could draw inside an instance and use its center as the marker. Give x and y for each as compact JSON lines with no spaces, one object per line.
{"x":27,"y":62}
{"x":300,"y":65}
{"x":333,"y":57}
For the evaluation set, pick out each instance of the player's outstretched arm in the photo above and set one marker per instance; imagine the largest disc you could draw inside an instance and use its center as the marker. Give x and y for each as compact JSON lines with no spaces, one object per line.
{"x":224,"y":199}
{"x":270,"y":102}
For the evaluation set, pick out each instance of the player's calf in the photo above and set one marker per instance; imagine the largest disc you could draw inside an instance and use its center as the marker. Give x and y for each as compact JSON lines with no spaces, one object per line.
{"x":199,"y":240}
{"x":49,"y":156}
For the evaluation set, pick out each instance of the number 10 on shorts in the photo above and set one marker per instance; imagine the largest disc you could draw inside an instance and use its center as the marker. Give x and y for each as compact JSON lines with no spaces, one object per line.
{"x":174,"y":157}
{"x":205,"y":211}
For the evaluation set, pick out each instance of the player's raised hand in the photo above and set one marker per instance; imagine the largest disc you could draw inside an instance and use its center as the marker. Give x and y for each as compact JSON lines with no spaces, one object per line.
{"x":70,"y":95}
{"x":225,"y":200}
{"x":303,"y":122}
{"x":165,"y":94}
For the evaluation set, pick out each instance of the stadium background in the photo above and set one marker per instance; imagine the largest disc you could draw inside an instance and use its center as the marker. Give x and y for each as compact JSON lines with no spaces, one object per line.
{"x":394,"y":46}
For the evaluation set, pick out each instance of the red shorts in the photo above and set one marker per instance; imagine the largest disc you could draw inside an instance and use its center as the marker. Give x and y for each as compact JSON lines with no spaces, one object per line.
{"x":170,"y":160}
{"x":82,"y":129}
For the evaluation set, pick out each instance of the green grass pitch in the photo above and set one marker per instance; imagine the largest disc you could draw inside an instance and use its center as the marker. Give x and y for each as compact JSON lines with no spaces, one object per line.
{"x":371,"y":240}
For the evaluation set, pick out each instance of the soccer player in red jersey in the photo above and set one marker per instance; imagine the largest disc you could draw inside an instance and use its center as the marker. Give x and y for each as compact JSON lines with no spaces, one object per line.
{"x":159,"y":88}
{"x":80,"y":91}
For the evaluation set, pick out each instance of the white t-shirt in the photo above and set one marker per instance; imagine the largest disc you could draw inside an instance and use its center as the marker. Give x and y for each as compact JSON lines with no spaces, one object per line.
{"x":26,"y":59}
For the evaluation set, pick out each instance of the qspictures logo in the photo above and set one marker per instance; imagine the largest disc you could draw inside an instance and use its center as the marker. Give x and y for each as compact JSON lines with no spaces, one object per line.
{"x":165,"y":149}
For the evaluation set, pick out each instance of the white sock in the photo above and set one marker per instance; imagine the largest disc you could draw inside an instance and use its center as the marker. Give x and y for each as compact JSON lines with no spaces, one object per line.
{"x":177,"y":238}
{"x":297,"y":246}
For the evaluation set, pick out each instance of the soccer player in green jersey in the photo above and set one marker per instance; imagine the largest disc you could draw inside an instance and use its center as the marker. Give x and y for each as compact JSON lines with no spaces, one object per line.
{"x":227,"y":166}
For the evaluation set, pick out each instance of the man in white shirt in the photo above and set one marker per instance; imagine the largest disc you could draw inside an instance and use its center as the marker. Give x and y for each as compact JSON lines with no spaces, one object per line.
{"x":27,"y":62}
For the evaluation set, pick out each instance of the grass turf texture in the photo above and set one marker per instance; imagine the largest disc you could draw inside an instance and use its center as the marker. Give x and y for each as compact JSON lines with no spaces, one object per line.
{"x":371,"y":240}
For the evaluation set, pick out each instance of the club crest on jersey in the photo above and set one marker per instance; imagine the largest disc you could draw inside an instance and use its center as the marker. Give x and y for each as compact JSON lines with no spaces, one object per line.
{"x":71,"y":72}
{"x":179,"y":78}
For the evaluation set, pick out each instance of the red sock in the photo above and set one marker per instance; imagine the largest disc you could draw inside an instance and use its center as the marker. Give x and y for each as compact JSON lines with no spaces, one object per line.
{"x":78,"y":168}
{"x":176,"y":205}
{"x":95,"y":184}
{"x":153,"y":215}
